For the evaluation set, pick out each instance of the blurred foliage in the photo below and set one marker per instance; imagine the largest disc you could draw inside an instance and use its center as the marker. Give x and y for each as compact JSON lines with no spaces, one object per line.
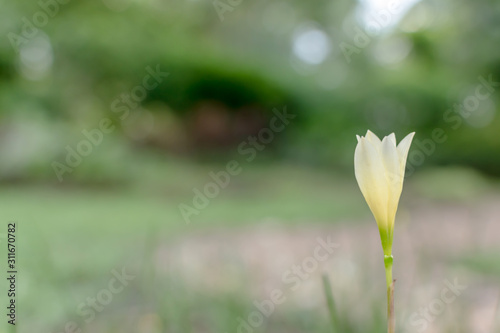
{"x":65,"y":78}
{"x":225,"y":77}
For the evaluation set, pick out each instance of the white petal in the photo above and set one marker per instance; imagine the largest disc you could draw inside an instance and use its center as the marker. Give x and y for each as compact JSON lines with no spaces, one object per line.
{"x":403,"y":148}
{"x":393,"y":175}
{"x":374,"y":140}
{"x":390,"y":158}
{"x":392,"y":137}
{"x":370,"y":174}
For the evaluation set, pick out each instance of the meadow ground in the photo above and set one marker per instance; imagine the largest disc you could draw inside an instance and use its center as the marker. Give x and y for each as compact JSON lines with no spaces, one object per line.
{"x":257,"y":239}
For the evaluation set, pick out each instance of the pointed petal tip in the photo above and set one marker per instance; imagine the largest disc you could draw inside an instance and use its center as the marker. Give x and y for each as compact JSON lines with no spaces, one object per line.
{"x":373,"y":139}
{"x":410,"y":136}
{"x":403,"y":148}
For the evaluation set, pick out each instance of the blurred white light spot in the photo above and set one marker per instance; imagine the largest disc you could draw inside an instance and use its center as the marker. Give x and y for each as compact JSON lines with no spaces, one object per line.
{"x":391,"y":51}
{"x":311,"y":45}
{"x":380,"y":15}
{"x":36,"y":58}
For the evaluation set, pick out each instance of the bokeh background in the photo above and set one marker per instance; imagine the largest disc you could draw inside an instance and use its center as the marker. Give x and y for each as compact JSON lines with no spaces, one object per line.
{"x":101,"y":151}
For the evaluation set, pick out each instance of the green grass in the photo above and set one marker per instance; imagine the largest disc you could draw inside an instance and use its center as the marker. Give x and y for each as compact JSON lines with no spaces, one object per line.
{"x":71,"y":237}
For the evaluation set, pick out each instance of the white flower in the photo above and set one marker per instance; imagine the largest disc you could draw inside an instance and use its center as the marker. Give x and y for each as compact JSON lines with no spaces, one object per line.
{"x":380,"y":167}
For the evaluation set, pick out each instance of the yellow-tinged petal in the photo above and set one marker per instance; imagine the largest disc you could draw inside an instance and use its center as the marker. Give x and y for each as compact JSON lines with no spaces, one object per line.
{"x":370,"y":174}
{"x":392,"y":137}
{"x":374,"y":140}
{"x":403,"y":148}
{"x":379,"y":167}
{"x":393,"y":176}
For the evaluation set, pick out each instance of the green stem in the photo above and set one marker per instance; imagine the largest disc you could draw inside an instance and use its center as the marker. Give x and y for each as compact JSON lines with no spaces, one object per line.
{"x":331,"y":304}
{"x":391,"y":319}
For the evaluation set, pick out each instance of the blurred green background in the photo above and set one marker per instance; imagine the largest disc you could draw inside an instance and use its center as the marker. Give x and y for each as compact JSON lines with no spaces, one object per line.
{"x":116,"y":114}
